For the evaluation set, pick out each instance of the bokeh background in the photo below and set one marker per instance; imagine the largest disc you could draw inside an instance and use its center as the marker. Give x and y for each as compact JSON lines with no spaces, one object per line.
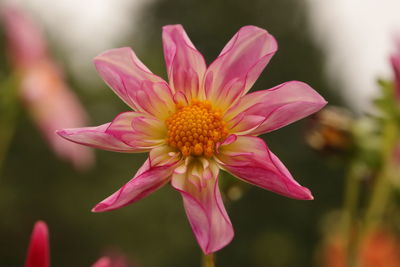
{"x":270,"y":230}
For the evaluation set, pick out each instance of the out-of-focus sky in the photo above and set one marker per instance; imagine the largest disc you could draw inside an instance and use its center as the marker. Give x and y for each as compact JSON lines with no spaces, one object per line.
{"x":357,"y":37}
{"x":83,"y":29}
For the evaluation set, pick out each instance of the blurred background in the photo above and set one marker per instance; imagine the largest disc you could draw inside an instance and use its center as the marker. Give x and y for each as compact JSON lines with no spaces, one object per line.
{"x":270,"y":230}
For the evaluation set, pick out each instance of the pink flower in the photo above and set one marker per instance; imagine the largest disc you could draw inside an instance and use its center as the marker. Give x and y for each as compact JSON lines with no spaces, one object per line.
{"x":39,"y":251}
{"x":198,"y":123}
{"x":51,"y":104}
{"x":395,"y":60}
{"x":111,"y":262}
{"x":102,"y":262}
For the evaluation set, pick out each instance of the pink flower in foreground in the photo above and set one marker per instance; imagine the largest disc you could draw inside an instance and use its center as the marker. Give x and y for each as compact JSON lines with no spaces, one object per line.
{"x":50,"y":102}
{"x":39,"y":251}
{"x":199,"y":123}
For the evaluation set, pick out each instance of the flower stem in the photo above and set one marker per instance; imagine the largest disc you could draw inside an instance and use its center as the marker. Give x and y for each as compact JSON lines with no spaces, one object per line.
{"x":350,"y":229}
{"x":209,"y":260}
{"x":382,"y":189}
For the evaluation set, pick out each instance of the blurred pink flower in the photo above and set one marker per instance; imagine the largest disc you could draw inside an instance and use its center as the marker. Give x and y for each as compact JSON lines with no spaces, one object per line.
{"x":395,"y":60}
{"x":112,"y":262}
{"x":200,"y":122}
{"x":51,"y":104}
{"x":103,"y":262}
{"x":39,"y":251}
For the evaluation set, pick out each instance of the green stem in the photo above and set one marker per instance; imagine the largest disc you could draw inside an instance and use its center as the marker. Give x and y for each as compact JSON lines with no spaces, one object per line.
{"x":209,"y":260}
{"x":350,"y":228}
{"x":382,"y":189}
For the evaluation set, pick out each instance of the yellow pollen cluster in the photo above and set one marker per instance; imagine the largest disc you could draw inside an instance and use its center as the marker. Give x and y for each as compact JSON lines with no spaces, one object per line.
{"x":196,"y":128}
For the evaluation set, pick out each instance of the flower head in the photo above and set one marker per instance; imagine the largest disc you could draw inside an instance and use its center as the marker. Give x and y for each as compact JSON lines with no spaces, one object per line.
{"x":51,"y":104}
{"x":198,"y":123}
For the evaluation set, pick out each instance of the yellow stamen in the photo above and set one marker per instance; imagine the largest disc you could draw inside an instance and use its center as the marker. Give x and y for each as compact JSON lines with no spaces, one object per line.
{"x":196,"y":128}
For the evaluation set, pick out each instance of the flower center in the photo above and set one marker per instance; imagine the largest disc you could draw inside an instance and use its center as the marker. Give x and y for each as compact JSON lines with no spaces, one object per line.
{"x":196,"y":128}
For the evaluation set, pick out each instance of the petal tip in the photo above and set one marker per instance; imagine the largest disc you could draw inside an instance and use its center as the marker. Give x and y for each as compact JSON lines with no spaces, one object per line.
{"x":253,"y":28}
{"x":41,"y":226}
{"x":307,"y":194}
{"x":228,"y":240}
{"x":101,"y":207}
{"x":61,"y":132}
{"x":108,"y":51}
{"x":169,"y":26}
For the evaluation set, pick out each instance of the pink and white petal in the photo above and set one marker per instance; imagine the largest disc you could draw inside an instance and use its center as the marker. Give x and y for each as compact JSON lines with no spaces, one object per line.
{"x":148,"y":179}
{"x":203,"y":205}
{"x":129,"y":132}
{"x":185,"y":65}
{"x":133,"y":82}
{"x":155,"y":99}
{"x":164,"y":155}
{"x":245,"y":124}
{"x":249,"y":159}
{"x":52,"y":105}
{"x":238,"y":66}
{"x":39,"y":251}
{"x":180,"y":98}
{"x":138,"y":130}
{"x":96,"y":137}
{"x":280,"y":106}
{"x":25,"y":41}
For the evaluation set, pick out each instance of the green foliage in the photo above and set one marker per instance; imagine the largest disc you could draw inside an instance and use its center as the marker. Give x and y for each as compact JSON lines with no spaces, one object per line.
{"x":388,"y":103}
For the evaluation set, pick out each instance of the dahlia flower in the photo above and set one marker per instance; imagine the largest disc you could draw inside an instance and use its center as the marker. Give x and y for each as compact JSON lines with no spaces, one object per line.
{"x":198,"y":123}
{"x":42,"y":89}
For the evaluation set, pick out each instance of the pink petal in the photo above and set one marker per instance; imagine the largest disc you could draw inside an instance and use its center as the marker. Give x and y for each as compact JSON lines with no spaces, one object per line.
{"x":238,"y":66}
{"x":38,"y":251}
{"x":138,"y":130}
{"x":244,"y":124}
{"x":395,"y":60}
{"x":52,"y":106}
{"x":185,"y":65}
{"x":102,"y":262}
{"x":134,"y":83}
{"x":249,"y":159}
{"x":203,"y":205}
{"x":25,"y":41}
{"x":112,"y":261}
{"x":153,"y":174}
{"x":279,"y":106}
{"x":50,"y":102}
{"x":128,"y":132}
